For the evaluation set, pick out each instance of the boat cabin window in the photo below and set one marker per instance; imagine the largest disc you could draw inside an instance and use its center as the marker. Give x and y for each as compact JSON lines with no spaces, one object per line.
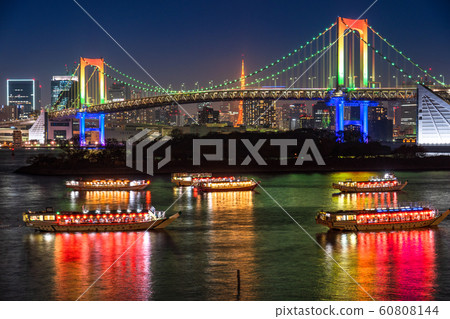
{"x":37,"y":217}
{"x":49,"y":217}
{"x":345,"y":217}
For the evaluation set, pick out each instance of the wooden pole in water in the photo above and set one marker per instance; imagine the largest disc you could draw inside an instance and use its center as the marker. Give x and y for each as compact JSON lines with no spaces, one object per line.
{"x":238,"y":274}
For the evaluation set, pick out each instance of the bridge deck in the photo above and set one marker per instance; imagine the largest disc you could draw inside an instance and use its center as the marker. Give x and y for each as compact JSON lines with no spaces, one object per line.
{"x":375,"y":94}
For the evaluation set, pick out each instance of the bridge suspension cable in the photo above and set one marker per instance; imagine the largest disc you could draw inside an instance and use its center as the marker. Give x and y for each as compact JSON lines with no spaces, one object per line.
{"x":151,"y":88}
{"x":268,"y":66}
{"x":273,"y":75}
{"x":405,"y":57}
{"x":387,"y":59}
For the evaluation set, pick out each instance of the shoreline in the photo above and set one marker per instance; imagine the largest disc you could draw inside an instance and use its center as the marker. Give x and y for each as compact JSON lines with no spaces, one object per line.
{"x":332,"y":165}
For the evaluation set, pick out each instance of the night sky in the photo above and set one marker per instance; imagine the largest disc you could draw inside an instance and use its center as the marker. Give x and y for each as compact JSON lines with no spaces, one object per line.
{"x":189,"y":41}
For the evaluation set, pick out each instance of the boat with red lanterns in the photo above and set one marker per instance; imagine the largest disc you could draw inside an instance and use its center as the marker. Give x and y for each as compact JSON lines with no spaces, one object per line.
{"x":387,"y":218}
{"x":86,"y":221}
{"x":389,"y":183}
{"x":226,"y":184}
{"x":107,"y":184}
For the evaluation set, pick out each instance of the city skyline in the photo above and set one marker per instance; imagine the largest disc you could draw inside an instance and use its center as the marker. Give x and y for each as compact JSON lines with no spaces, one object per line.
{"x":203,"y":58}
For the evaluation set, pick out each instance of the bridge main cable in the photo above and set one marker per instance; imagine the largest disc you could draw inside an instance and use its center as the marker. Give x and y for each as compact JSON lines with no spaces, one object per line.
{"x":153,"y":88}
{"x":405,"y":57}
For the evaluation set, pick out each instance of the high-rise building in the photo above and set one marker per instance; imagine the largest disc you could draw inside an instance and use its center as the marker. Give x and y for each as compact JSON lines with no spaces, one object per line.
{"x":118,"y":92}
{"x":408,"y":119}
{"x":323,"y":116}
{"x":208,"y":115}
{"x":25,"y":93}
{"x":377,"y":113}
{"x":9,"y":113}
{"x":306,"y":121}
{"x":64,"y":91}
{"x":380,"y":127}
{"x":289,"y":114}
{"x":174,"y":115}
{"x":260,"y":113}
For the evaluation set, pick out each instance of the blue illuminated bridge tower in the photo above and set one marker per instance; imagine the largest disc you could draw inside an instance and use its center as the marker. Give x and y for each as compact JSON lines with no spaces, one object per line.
{"x":338,"y":101}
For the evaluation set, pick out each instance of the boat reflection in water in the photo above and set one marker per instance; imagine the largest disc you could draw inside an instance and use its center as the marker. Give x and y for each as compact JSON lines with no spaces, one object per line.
{"x":359,"y":201}
{"x":231,"y":237}
{"x":76,"y":269}
{"x":112,"y":199}
{"x":397,"y":265}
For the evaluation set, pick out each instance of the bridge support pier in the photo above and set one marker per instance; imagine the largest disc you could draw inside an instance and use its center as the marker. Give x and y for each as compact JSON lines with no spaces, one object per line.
{"x":339,"y":103}
{"x":83,"y":116}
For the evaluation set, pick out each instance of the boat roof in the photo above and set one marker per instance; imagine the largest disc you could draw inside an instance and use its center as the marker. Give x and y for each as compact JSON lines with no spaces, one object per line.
{"x":380,"y":210}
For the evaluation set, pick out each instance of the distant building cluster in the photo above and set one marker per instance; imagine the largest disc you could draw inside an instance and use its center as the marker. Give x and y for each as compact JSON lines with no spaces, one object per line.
{"x":393,"y":121}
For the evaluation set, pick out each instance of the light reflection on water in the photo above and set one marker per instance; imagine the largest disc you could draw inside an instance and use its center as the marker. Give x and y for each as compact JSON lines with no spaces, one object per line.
{"x":196,"y":258}
{"x":396,"y":265}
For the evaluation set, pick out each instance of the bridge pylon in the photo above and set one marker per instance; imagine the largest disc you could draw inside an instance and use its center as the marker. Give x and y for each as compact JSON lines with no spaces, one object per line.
{"x":361,"y":26}
{"x":84,"y":93}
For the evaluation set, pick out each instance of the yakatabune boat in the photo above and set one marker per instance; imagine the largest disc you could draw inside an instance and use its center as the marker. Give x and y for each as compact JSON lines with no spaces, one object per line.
{"x":188,"y":179}
{"x":108,"y":184}
{"x":405,"y":217}
{"x":50,"y":221}
{"x":388,"y":183}
{"x":227,"y":184}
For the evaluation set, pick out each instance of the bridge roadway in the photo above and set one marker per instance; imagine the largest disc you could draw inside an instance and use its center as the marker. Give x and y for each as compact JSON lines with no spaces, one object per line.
{"x":373,"y":94}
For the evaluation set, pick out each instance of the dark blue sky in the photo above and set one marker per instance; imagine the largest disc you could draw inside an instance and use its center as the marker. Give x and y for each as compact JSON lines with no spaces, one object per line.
{"x":188,"y":41}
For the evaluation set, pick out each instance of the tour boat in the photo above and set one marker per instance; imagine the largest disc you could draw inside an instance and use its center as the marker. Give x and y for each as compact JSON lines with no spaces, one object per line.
{"x":388,"y":183}
{"x":107,"y":184}
{"x":85,"y":221}
{"x":406,"y":217}
{"x":188,"y":179}
{"x":227,"y":184}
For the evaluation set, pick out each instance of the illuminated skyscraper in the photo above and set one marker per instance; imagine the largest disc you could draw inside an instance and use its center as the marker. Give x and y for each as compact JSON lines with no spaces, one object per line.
{"x":118,"y":92}
{"x":323,"y":116}
{"x":260,"y":113}
{"x":25,"y":94}
{"x":64,"y":91}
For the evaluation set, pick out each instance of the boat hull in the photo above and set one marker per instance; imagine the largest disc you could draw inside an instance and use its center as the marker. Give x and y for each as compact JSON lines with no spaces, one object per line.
{"x":102,"y":227}
{"x":183,"y":183}
{"x":353,"y":226}
{"x":347,"y":189}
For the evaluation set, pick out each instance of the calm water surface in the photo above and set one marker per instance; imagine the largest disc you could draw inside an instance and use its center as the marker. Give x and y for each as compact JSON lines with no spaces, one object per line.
{"x":197,"y":256}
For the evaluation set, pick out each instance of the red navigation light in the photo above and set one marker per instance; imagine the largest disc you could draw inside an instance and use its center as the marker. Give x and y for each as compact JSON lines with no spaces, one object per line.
{"x":58,"y":217}
{"x":148,"y":182}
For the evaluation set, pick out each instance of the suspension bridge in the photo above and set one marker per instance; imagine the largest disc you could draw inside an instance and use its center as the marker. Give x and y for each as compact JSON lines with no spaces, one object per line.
{"x":347,"y":64}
